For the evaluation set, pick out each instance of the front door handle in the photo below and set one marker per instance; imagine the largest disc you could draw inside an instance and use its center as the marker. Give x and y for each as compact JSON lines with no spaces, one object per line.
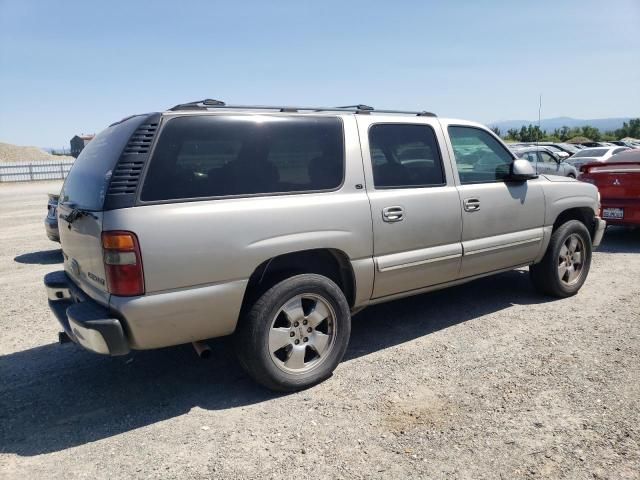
{"x":471,"y":204}
{"x":392,"y":214}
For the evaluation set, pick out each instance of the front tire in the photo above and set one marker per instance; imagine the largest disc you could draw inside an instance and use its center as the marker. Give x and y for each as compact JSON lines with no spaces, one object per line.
{"x":295,"y":334}
{"x":565,"y":265}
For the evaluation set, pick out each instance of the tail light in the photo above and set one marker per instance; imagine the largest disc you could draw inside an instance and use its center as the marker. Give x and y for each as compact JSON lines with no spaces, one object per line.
{"x":123,"y":263}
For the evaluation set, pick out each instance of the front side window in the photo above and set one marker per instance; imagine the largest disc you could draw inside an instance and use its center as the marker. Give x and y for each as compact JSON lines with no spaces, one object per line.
{"x":479,"y":156}
{"x":213,"y":156}
{"x":546,"y":157}
{"x":404,"y":155}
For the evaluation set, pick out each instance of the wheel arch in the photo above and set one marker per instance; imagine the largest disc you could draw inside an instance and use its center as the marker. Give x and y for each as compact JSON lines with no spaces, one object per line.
{"x":582,"y":214}
{"x":329,"y":262}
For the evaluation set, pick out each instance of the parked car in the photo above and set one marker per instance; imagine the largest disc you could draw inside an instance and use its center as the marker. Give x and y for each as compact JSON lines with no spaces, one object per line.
{"x":590,"y":155}
{"x":618,"y":180}
{"x":259,"y":222}
{"x":51,"y":220}
{"x":597,"y":144}
{"x":625,"y":144}
{"x":568,"y":148}
{"x":546,"y":161}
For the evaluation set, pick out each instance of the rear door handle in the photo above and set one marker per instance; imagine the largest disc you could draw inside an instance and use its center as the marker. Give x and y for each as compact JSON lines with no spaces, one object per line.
{"x":471,"y":204}
{"x":393,"y":214}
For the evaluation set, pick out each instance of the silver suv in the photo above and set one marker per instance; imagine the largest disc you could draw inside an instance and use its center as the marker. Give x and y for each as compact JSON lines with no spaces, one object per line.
{"x":276,"y":224}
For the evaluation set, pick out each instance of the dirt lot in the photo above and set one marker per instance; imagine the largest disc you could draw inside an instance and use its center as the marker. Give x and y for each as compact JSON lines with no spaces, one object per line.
{"x":486,"y":380}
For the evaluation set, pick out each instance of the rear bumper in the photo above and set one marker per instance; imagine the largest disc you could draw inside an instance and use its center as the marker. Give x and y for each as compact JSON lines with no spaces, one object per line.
{"x":598,"y":232}
{"x":84,"y":321}
{"x":631,"y":212}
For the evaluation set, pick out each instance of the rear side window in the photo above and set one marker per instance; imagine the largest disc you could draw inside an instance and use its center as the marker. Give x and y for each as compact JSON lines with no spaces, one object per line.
{"x":87,"y":182}
{"x":214,"y":156}
{"x":405,"y":156}
{"x":480,"y":158}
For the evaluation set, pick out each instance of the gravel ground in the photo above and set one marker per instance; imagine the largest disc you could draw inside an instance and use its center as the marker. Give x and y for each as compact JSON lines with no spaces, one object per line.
{"x":485,"y":380}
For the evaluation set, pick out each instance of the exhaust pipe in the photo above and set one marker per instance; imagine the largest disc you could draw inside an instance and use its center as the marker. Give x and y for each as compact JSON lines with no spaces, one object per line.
{"x":202,"y":349}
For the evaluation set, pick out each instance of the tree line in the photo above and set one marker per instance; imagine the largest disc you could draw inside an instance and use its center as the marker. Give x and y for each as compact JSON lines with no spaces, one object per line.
{"x":533,"y":133}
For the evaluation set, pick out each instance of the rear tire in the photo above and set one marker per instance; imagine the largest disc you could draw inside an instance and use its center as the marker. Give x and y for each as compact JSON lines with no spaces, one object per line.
{"x":295,"y":334}
{"x":565,"y":265}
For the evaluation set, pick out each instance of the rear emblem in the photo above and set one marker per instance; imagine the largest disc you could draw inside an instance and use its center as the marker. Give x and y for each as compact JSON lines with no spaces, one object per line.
{"x":616,"y":182}
{"x":75,"y":267}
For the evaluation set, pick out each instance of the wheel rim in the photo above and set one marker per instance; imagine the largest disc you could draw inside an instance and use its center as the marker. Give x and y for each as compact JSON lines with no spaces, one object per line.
{"x":302,"y":333}
{"x":571,"y":260}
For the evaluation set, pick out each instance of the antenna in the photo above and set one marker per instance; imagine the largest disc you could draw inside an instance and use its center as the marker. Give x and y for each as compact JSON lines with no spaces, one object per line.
{"x":539,"y":121}
{"x":539,"y":131}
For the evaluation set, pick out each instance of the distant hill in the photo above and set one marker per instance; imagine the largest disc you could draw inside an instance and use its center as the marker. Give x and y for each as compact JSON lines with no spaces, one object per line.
{"x":17,"y":153}
{"x":550,"y":124}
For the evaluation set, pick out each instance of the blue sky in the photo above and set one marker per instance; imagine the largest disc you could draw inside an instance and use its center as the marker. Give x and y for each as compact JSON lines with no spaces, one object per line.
{"x":68,"y":67}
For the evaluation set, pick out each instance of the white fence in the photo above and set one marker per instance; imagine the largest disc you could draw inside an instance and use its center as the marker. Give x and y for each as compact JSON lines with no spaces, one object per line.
{"x":36,"y":170}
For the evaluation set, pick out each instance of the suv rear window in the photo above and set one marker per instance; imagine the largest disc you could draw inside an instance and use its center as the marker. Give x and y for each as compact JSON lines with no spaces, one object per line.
{"x":213,"y":156}
{"x":87,"y":182}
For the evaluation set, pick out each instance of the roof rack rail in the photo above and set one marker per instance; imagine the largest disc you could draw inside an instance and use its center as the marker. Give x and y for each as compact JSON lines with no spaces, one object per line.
{"x":198,"y":104}
{"x":208,"y":103}
{"x":359,"y":106}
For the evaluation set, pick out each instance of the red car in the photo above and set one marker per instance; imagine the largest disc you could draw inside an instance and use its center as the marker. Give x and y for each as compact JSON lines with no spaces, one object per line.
{"x":618,"y":180}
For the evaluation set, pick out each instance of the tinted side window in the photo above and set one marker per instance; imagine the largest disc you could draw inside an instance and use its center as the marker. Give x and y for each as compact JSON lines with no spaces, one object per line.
{"x":479,"y":156}
{"x":211,"y":156}
{"x":405,"y":156}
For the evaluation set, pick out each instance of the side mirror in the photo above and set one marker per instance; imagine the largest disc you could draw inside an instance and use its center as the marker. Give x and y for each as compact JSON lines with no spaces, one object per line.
{"x":521,"y":170}
{"x":561,"y":156}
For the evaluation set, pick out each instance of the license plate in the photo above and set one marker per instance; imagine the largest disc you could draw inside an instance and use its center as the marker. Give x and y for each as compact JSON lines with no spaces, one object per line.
{"x":613,"y":213}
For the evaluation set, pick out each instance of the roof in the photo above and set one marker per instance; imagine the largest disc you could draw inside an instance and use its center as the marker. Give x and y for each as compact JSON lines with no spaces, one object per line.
{"x":529,"y":148}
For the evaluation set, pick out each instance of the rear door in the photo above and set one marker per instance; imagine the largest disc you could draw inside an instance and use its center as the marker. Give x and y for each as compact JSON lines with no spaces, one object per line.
{"x":414,"y":204}
{"x":502,"y":221}
{"x":81,"y":204}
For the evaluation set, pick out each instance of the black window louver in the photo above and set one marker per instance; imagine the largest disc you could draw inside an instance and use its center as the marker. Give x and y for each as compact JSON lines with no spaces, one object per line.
{"x":126,"y":175}
{"x":140,"y":141}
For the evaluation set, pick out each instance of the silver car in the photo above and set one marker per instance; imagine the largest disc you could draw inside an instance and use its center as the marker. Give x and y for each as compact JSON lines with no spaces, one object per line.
{"x":276,"y":224}
{"x":546,"y":161}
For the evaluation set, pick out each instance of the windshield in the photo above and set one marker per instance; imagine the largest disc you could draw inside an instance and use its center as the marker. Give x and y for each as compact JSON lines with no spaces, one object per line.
{"x":569,"y":148}
{"x":87,"y":182}
{"x":591,"y":152}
